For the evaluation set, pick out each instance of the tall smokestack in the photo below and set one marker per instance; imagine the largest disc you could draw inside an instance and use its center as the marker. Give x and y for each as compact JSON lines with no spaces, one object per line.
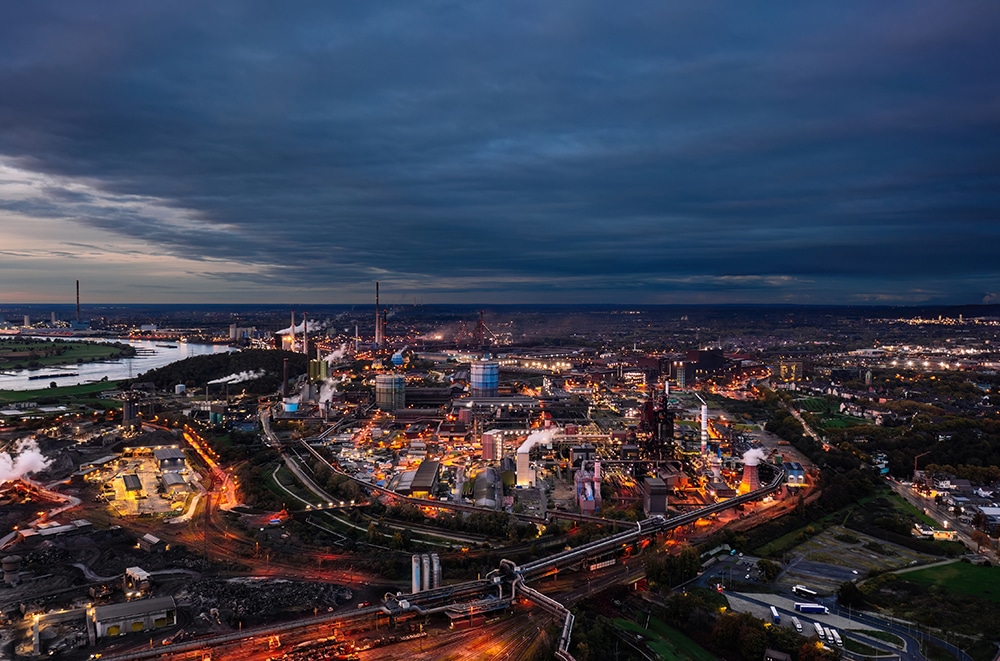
{"x":77,"y":301}
{"x":284,"y":382}
{"x":305,"y":335}
{"x":751,"y":479}
{"x":704,"y":428}
{"x":292,"y":348}
{"x":378,"y":320}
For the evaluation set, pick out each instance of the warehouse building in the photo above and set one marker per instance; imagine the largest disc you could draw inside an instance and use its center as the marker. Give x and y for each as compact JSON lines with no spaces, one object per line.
{"x":133,"y":617}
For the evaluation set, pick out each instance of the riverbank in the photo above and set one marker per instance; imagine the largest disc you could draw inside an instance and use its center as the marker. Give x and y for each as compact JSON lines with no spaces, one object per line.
{"x":143,"y":355}
{"x":19,"y":354}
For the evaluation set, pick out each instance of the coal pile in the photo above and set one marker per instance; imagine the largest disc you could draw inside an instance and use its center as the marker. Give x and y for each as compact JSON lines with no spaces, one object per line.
{"x":252,"y":600}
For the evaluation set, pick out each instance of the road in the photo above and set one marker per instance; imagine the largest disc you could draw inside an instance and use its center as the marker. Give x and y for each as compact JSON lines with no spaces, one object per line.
{"x":944,"y":517}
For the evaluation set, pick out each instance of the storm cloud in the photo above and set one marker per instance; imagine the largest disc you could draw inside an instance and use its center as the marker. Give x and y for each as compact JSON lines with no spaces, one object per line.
{"x":504,"y":152}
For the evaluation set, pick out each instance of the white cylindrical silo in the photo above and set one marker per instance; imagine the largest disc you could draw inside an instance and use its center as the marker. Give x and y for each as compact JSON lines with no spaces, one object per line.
{"x":415,"y":573}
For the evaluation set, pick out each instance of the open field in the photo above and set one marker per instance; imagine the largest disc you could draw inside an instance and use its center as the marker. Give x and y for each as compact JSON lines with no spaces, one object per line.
{"x":15,"y":355}
{"x":667,"y":642}
{"x":831,"y":557}
{"x":84,"y":390}
{"x":962,"y":578}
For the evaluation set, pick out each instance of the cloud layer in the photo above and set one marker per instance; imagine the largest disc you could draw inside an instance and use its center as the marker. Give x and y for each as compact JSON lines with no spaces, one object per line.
{"x":501,"y":152}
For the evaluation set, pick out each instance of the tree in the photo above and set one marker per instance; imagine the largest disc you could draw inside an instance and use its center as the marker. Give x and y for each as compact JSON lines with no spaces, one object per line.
{"x":770,"y":569}
{"x":850,"y":595}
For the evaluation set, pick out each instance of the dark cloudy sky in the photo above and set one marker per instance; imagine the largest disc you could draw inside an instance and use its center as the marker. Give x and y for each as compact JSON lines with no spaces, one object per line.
{"x":500,"y":152}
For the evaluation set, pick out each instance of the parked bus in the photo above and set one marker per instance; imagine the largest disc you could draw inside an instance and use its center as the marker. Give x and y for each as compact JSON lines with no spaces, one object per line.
{"x":819,"y":631}
{"x":804,"y":591}
{"x":829,"y":634}
{"x":798,"y":625}
{"x":836,"y":638}
{"x":774,"y":615}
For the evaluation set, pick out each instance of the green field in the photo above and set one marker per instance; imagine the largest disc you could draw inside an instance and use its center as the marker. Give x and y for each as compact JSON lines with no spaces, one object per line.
{"x":838,"y":421}
{"x":962,"y":578}
{"x":905,"y":507}
{"x":16,"y":355}
{"x":812,"y":404}
{"x":667,"y":642}
{"x":885,"y":636}
{"x":84,"y":391}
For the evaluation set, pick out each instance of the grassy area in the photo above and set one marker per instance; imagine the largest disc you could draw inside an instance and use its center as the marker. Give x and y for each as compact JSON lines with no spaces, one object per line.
{"x":16,"y":355}
{"x":934,"y":652}
{"x":858,"y":647}
{"x":792,"y":539}
{"x":838,"y":421}
{"x":812,"y":404}
{"x":285,"y":482}
{"x":667,"y":642}
{"x":904,"y":506}
{"x":962,"y":578}
{"x":84,"y":390}
{"x":890,"y":638}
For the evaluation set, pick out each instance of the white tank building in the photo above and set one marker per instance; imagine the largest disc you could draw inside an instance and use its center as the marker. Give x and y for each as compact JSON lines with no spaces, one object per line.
{"x":425,"y":572}
{"x":415,"y":573}
{"x":390,"y":391}
{"x":704,"y":429}
{"x":484,"y":378}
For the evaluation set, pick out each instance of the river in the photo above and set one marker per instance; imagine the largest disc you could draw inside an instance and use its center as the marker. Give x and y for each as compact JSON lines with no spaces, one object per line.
{"x":151,"y":355}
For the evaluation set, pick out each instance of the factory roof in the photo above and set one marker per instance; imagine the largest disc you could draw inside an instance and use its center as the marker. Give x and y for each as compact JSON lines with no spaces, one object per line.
{"x":132,"y":482}
{"x":138,"y":572}
{"x":656,"y":485}
{"x":133,"y":608}
{"x":172,"y":479}
{"x":425,"y":476}
{"x":164,"y":454}
{"x":100,"y":462}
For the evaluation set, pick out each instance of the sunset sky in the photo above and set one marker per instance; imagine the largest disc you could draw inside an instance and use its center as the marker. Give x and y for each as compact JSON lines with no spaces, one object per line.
{"x":500,"y":152}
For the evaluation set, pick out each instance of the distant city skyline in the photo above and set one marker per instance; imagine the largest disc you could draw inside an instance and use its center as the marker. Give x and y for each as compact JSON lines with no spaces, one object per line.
{"x":229,"y":152}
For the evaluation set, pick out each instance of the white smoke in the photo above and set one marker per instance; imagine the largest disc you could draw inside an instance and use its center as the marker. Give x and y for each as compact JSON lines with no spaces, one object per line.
{"x":240,"y":377}
{"x":314,"y":327}
{"x":754,"y":456}
{"x":537,"y":438}
{"x":327,"y":390}
{"x":28,"y":459}
{"x":337,"y":354}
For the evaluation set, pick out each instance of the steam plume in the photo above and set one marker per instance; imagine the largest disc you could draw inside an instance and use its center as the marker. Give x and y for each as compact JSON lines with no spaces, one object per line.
{"x":28,"y":459}
{"x":754,"y":456}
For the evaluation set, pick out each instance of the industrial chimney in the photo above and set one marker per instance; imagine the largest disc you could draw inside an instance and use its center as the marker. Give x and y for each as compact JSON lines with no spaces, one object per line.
{"x":751,"y":480}
{"x":284,"y":382}
{"x":378,"y":320}
{"x":305,"y":335}
{"x":78,"y":302}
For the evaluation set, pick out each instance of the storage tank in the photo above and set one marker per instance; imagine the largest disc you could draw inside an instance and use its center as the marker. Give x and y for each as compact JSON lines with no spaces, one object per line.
{"x":425,"y":572}
{"x":485,"y":378}
{"x":415,"y":573}
{"x":11,"y":568}
{"x":390,"y":391}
